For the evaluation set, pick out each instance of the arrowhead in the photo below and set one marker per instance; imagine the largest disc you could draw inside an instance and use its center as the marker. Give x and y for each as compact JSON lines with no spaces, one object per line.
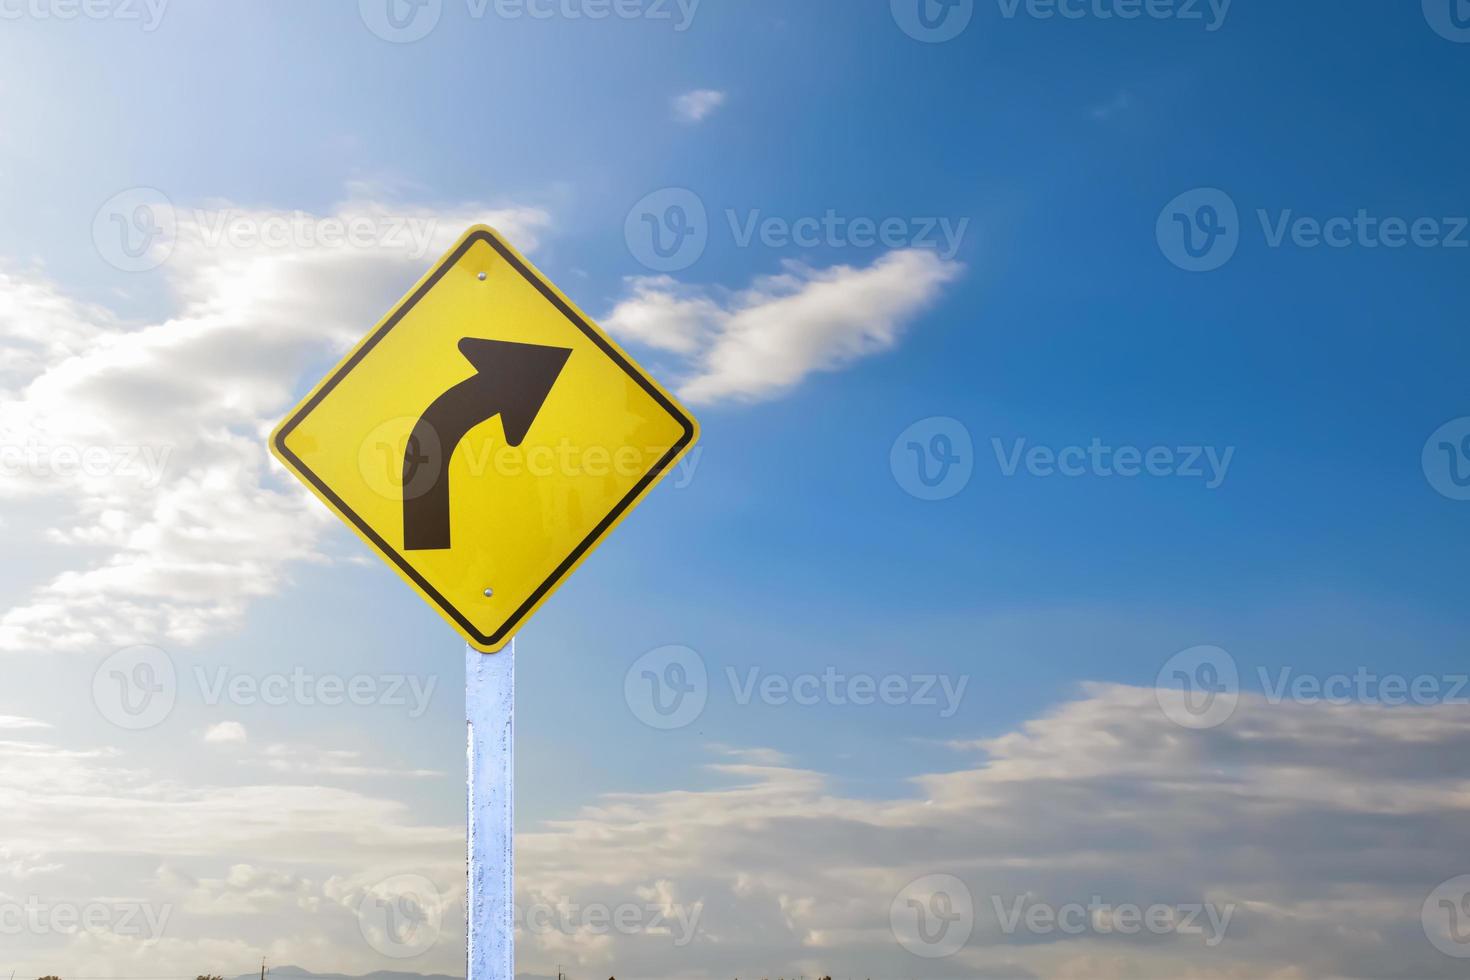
{"x":520,"y":377}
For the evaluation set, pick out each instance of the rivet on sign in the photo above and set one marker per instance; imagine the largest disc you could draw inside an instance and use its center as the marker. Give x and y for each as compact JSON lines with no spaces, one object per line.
{"x":482,"y":277}
{"x":489,"y":593}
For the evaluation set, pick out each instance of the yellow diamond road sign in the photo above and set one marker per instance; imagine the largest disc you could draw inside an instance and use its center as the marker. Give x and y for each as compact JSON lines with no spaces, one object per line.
{"x":484,"y":438}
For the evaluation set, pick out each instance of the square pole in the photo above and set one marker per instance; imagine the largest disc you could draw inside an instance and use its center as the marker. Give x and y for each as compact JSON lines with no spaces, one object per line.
{"x":490,"y":684}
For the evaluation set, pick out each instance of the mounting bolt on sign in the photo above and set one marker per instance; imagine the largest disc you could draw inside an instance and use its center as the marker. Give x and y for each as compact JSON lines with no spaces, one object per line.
{"x":458,"y":440}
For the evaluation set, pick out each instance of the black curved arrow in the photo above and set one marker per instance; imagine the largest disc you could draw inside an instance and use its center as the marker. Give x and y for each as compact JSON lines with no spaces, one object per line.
{"x":510,"y":380}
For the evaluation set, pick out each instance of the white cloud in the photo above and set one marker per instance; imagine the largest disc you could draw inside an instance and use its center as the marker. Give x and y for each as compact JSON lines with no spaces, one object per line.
{"x":695,"y":106}
{"x":226,"y":732}
{"x":332,"y":762}
{"x":763,"y":341}
{"x":20,"y":867}
{"x":15,"y":723}
{"x":753,"y":755}
{"x":663,"y":313}
{"x":242,"y":890}
{"x":42,"y":327}
{"x":148,"y":440}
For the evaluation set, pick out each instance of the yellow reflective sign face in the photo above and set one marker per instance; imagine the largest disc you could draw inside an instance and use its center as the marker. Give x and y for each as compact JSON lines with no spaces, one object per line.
{"x":484,"y":438}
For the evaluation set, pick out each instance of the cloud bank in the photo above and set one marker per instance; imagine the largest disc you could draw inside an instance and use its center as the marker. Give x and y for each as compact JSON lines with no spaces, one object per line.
{"x":1315,"y":833}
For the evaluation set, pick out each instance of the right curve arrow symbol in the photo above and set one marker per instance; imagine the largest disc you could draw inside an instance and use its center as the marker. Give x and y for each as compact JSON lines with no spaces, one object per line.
{"x":511,"y":380}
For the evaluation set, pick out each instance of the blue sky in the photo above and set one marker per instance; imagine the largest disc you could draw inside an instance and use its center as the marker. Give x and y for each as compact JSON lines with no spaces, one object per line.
{"x":1059,"y":319}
